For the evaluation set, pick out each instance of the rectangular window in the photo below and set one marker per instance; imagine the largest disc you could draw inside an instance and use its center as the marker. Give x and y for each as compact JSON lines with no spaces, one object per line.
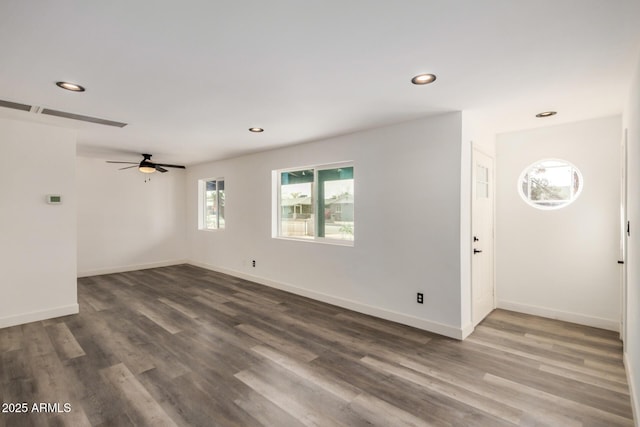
{"x":212,"y":204}
{"x":482,"y":182}
{"x":316,"y":203}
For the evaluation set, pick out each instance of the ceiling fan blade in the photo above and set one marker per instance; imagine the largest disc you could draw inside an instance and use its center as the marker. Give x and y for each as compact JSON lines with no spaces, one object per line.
{"x":128,"y":167}
{"x":170,"y":166}
{"x":161,"y":169}
{"x":129,"y":163}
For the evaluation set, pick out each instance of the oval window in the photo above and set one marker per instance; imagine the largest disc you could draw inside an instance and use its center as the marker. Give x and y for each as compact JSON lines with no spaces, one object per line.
{"x":550,"y":184}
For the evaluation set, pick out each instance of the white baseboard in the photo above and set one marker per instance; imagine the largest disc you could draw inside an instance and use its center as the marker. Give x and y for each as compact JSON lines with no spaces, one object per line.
{"x":566,"y":316}
{"x":36,"y":316}
{"x":123,"y":269}
{"x":635,"y":405}
{"x":416,"y":322}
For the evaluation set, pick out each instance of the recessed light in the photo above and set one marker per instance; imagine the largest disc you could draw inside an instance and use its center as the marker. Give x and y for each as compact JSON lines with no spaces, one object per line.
{"x":256,"y":130}
{"x":546,"y":114}
{"x":70,"y":86}
{"x":423,"y":79}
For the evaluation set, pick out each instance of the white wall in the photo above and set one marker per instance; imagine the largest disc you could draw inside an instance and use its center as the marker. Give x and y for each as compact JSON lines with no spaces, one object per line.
{"x":408,"y":197}
{"x":37,"y":240}
{"x":561,"y":263}
{"x":632,"y":345}
{"x":125,"y":223}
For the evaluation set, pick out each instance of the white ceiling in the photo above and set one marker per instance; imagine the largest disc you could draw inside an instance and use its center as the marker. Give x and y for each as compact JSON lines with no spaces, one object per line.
{"x":191,"y":77}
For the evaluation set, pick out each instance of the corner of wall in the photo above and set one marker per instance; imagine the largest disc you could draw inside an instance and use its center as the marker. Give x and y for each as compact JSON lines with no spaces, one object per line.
{"x":631,"y":121}
{"x":635,"y":404}
{"x":465,"y":230}
{"x":565,"y":316}
{"x":36,"y":316}
{"x":133,"y":267}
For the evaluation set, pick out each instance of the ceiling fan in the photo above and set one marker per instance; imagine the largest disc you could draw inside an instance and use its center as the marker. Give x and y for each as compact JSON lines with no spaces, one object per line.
{"x":147,"y":166}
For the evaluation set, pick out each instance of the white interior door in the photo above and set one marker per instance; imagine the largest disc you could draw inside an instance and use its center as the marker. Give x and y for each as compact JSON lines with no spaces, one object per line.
{"x":482,"y":266}
{"x":624,"y":234}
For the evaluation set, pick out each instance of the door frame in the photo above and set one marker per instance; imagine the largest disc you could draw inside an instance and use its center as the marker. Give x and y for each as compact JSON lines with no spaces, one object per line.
{"x":492,"y":189}
{"x":624,"y":234}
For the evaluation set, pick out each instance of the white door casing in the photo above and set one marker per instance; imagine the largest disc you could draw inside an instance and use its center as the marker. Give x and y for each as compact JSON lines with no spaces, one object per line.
{"x":482,"y":248}
{"x":624,"y":234}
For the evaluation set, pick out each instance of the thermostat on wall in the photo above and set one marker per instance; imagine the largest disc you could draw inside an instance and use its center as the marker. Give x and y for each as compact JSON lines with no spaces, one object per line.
{"x":54,"y":199}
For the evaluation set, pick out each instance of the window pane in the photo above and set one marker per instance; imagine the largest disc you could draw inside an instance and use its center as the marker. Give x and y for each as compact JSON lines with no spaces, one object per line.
{"x":482,"y":190}
{"x":211,"y":208}
{"x":483,"y":173}
{"x":482,"y":182}
{"x":336,"y":200}
{"x":525,"y":186}
{"x":296,"y":204}
{"x":550,"y":184}
{"x":220,"y":199}
{"x":576,"y":182}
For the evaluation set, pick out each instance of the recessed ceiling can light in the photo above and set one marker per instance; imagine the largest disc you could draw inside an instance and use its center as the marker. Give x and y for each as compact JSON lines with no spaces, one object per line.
{"x":546,"y":114}
{"x":70,"y":86}
{"x":256,"y":130}
{"x":423,"y":79}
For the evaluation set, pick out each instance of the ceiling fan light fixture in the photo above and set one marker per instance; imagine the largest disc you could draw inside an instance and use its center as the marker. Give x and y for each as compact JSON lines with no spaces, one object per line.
{"x":147,"y":167}
{"x":423,"y":79}
{"x":70,"y":86}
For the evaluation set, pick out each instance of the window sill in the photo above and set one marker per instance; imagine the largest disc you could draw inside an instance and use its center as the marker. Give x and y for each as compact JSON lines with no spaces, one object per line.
{"x":331,"y":242}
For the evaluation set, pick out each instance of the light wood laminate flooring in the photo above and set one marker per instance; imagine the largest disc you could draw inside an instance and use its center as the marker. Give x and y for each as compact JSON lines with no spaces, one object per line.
{"x":184,"y":346}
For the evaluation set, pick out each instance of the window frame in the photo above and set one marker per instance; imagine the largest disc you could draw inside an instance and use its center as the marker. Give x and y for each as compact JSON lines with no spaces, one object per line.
{"x":561,"y":203}
{"x":277,"y":208}
{"x":202,"y":204}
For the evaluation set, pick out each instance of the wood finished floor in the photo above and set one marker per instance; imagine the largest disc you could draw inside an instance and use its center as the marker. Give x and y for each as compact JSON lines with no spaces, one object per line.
{"x":190,"y":347}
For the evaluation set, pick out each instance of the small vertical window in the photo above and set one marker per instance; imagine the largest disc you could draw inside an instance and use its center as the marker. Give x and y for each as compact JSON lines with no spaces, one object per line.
{"x":482,"y":182}
{"x":316,"y":203}
{"x":212,"y":197}
{"x":550,"y":184}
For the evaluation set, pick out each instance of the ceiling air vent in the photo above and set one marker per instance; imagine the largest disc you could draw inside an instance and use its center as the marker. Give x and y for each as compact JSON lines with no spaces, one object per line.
{"x":40,"y":110}
{"x":15,"y":105}
{"x":81,"y":118}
